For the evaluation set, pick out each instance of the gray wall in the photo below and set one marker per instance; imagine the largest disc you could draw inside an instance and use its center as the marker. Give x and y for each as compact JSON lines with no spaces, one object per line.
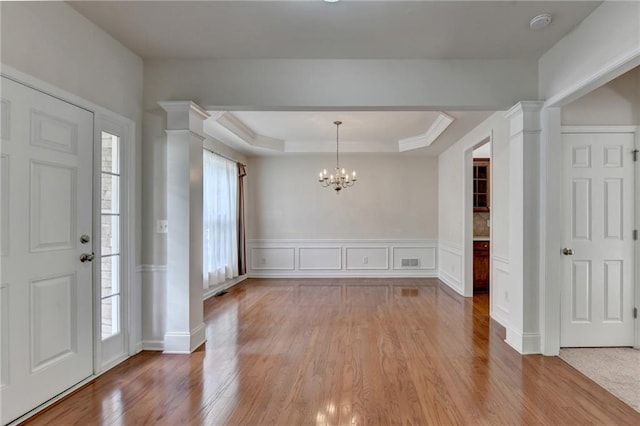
{"x":395,"y":197}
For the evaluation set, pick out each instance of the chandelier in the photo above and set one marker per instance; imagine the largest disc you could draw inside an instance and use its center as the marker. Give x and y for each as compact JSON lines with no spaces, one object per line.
{"x":340,"y":179}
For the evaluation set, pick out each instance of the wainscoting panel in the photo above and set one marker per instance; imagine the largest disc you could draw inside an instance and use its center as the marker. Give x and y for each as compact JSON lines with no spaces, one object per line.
{"x":272,"y":258}
{"x":414,"y":258}
{"x":342,"y":258}
{"x":367,"y":257}
{"x":450,"y":265}
{"x":500,"y":290}
{"x":153,"y":282}
{"x":319,"y":258}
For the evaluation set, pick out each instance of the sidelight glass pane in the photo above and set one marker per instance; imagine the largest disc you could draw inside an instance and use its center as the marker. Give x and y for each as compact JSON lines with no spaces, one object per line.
{"x":110,"y":193}
{"x":110,"y":275}
{"x":110,"y":234}
{"x":110,"y":231}
{"x":110,"y":153}
{"x":110,"y":316}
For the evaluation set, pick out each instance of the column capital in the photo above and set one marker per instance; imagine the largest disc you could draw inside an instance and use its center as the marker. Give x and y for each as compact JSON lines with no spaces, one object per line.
{"x":524,"y":117}
{"x":184,"y":115}
{"x":523,"y":107}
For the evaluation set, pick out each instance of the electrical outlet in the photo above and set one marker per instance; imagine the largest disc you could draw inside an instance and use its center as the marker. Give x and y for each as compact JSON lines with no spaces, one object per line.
{"x":263,"y":261}
{"x":506,"y":296}
{"x":488,"y":223}
{"x":162,"y":226}
{"x":365,"y":260}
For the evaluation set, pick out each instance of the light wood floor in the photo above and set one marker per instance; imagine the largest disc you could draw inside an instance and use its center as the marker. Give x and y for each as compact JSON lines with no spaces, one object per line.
{"x":389,"y":351}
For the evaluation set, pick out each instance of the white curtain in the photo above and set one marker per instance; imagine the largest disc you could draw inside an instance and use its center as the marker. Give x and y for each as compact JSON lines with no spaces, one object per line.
{"x":220,"y":187}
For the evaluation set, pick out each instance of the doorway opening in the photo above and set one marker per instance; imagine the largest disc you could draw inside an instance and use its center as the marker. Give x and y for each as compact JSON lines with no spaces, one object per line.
{"x":481,"y":169}
{"x":477,"y":219}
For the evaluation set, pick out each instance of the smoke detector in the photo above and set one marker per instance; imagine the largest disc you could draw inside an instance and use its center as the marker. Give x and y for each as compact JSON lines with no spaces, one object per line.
{"x":540,"y":21}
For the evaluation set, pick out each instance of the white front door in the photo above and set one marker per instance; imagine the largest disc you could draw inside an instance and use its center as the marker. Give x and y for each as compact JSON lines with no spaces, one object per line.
{"x":46,"y":291}
{"x":598,"y":207}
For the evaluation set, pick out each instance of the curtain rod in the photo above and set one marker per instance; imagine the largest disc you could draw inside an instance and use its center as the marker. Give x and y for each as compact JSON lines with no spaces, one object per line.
{"x":224,"y":156}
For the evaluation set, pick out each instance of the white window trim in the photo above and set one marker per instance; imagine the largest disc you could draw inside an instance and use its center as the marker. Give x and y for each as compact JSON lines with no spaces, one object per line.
{"x":114,"y":124}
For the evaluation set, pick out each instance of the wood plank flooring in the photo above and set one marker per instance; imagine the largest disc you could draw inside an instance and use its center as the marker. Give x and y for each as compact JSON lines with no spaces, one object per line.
{"x":343,"y":351}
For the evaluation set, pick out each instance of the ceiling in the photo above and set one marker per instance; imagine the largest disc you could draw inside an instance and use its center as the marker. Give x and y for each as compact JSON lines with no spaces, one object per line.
{"x":305,"y":29}
{"x":350,"y":29}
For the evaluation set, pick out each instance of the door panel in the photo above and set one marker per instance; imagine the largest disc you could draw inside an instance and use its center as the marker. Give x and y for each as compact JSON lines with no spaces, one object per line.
{"x":599,"y":208}
{"x":46,"y":292}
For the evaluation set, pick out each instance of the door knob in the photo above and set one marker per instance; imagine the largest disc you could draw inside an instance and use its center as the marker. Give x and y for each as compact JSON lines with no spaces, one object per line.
{"x":87,"y":257}
{"x":567,"y":251}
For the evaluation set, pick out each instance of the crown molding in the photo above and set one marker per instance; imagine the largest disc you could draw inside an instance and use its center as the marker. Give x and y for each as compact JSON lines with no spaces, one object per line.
{"x":435,"y":130}
{"x":241,"y":133}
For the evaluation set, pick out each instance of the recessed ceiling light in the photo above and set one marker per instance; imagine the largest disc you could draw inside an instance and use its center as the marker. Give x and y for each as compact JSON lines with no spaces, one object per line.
{"x":540,"y":21}
{"x":331,"y":1}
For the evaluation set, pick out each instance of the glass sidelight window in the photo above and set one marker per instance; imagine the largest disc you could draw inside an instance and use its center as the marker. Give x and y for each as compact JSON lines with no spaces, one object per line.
{"x":110,"y":276}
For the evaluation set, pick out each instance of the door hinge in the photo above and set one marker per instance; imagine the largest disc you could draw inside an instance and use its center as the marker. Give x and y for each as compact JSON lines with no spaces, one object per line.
{"x":635,"y":234}
{"x":635,"y":154}
{"x":635,"y":312}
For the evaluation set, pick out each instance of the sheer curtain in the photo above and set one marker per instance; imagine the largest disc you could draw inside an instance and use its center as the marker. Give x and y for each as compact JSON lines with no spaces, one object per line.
{"x":220,"y":187}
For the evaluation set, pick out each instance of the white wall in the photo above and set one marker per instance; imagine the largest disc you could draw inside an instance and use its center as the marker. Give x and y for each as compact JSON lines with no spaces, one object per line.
{"x":616,"y":103}
{"x":450,"y":167}
{"x":53,"y":42}
{"x":436,"y":84}
{"x":605,"y":40}
{"x":451,"y":210}
{"x":482,"y":152}
{"x":394,"y":198}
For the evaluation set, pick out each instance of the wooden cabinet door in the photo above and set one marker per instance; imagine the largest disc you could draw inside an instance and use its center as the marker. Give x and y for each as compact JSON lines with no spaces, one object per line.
{"x":480,"y":266}
{"x":481,"y":184}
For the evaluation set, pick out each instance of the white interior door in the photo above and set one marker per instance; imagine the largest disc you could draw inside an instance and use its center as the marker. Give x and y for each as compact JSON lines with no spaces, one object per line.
{"x":598,"y":282}
{"x":46,"y":296}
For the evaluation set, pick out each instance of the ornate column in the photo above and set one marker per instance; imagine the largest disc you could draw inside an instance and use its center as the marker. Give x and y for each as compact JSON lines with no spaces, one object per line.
{"x":185,"y":328}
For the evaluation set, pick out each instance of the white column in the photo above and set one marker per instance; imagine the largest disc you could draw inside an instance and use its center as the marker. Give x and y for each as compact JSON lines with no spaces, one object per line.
{"x":185,"y":328}
{"x":523,"y":331}
{"x":551,"y":230}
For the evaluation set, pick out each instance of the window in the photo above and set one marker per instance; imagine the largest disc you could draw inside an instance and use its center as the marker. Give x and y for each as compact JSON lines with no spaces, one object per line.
{"x":110,"y":277}
{"x":220,"y":226}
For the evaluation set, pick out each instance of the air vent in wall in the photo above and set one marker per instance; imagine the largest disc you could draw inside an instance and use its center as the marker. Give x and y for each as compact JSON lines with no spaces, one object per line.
{"x":410,"y":263}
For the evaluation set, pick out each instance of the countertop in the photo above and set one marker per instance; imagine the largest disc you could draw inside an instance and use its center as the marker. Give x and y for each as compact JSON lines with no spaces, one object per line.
{"x":481,"y":239}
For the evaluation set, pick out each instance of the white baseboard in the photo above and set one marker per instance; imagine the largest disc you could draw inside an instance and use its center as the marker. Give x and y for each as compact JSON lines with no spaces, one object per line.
{"x":212,"y":291}
{"x":302,"y":275}
{"x":500,"y":318}
{"x":451,"y":282}
{"x":153,"y":345}
{"x":177,"y":342}
{"x":524,"y":343}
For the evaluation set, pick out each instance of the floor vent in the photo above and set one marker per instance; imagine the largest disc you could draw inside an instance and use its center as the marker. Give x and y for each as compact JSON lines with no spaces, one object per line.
{"x":220,"y":293}
{"x":410,"y":263}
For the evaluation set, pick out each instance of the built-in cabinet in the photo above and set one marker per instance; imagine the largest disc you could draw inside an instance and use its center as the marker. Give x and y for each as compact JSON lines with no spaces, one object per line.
{"x":481,"y":186}
{"x":481,"y":266}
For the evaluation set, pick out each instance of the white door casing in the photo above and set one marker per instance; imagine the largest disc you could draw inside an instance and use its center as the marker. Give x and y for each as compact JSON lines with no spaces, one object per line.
{"x":46,"y":296}
{"x":597,"y":296}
